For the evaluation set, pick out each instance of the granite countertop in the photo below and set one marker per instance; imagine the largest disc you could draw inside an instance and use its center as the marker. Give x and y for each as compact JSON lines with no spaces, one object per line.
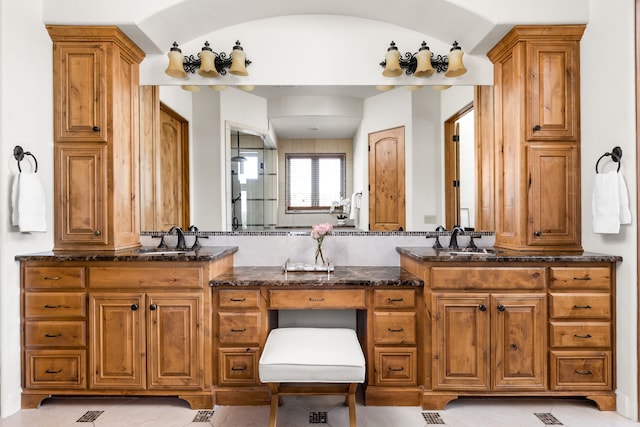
{"x":205,"y":253}
{"x":427,"y":253}
{"x":341,"y":276}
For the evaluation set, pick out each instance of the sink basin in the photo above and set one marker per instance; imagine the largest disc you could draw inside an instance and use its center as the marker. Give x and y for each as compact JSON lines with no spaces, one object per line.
{"x":469,"y":252}
{"x":159,"y":252}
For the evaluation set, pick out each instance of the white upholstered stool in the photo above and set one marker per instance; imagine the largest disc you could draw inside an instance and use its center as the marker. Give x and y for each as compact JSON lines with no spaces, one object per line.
{"x":312,"y":361}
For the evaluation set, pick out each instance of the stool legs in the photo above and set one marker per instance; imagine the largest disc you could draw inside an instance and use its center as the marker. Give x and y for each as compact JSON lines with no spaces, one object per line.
{"x":351,"y":399}
{"x":273,"y":412}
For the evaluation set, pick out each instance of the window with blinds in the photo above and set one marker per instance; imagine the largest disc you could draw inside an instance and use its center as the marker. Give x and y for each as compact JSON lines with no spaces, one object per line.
{"x":314,"y":181}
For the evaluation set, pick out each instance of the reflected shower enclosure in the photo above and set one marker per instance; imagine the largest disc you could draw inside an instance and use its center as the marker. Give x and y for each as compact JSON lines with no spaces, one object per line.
{"x":253,"y":183}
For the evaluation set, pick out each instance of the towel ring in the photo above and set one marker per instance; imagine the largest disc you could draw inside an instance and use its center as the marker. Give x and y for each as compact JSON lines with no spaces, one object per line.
{"x":616,"y":156}
{"x":19,"y":154}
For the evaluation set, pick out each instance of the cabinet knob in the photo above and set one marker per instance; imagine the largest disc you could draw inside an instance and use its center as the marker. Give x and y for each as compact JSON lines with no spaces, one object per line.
{"x":96,"y":128}
{"x":96,"y":232}
{"x":134,"y":307}
{"x":501,"y":308}
{"x":482,"y":307}
{"x":153,"y":307}
{"x":537,"y":127}
{"x":537,"y":233}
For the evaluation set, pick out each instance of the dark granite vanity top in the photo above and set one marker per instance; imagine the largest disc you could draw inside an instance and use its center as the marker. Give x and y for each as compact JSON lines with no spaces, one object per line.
{"x":205,"y":253}
{"x":354,"y":276}
{"x":428,"y":254}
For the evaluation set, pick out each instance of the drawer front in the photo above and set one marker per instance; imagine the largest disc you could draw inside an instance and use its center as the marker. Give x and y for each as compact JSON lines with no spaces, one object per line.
{"x":239,"y":328}
{"x":395,"y":366}
{"x":394,"y":328}
{"x":581,"y":370}
{"x":53,"y":333}
{"x":239,"y":298}
{"x":317,"y":298}
{"x":58,"y":304}
{"x":580,"y":278}
{"x":53,"y":277}
{"x":580,"y":306}
{"x":394,"y":298}
{"x":580,"y":334}
{"x":487,"y":278}
{"x":62,"y":369}
{"x":238,"y":366}
{"x":153,"y":275}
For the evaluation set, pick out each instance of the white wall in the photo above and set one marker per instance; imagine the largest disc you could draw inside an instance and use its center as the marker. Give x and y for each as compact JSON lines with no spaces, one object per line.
{"x":26,"y":111}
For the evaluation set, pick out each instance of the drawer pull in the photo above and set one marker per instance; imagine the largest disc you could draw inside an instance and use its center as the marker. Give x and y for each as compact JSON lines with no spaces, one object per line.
{"x":238,"y":299}
{"x":239,"y":368}
{"x":482,"y":307}
{"x":586,"y":307}
{"x":52,"y":335}
{"x":52,"y":278}
{"x":238,"y":330}
{"x":583,"y":372}
{"x":52,"y":306}
{"x":501,"y":308}
{"x":316,"y":299}
{"x":582,"y":278}
{"x":49,"y":371}
{"x":582,"y":336}
{"x":396,"y":330}
{"x":392,"y":300}
{"x":396,"y":369}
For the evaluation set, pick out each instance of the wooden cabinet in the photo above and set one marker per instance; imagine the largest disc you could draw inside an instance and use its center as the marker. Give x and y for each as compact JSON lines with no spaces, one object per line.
{"x":537,"y":138}
{"x":102,"y":328}
{"x":522,"y":328}
{"x":96,"y":134}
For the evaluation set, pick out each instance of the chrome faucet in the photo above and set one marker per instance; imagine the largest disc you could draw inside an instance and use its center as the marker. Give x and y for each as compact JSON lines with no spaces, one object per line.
{"x":181,"y":243}
{"x":453,"y":242}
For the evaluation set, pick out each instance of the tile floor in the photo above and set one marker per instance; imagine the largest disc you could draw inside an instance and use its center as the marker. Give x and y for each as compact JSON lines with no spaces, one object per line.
{"x":309,"y":412}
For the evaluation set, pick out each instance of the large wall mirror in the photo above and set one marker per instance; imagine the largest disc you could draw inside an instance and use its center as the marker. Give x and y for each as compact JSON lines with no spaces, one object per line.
{"x":238,"y":141}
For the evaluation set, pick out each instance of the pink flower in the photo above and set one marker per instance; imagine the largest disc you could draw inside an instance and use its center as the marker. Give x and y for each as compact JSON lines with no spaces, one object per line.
{"x":320,"y":230}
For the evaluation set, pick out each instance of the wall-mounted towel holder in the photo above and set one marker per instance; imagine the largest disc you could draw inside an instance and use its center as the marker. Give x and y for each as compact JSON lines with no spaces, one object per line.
{"x":19,"y":154}
{"x":616,"y":156}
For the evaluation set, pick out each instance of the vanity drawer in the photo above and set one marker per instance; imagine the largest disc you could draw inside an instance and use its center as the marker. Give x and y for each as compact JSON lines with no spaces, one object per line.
{"x":585,"y":370}
{"x":487,"y":278}
{"x":394,"y":328}
{"x":580,"y":278}
{"x":239,"y":328}
{"x":58,"y":304}
{"x":580,"y":334}
{"x":53,"y":333}
{"x":394,"y":298}
{"x":63,"y":369}
{"x":238,"y":366}
{"x":53,"y":277}
{"x":317,"y":298}
{"x":232,"y":298}
{"x":580,"y":306}
{"x":395,"y":366}
{"x":153,"y":275}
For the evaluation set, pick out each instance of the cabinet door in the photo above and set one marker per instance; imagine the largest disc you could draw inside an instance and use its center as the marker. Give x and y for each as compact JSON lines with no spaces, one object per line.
{"x":553,"y":112}
{"x":176,"y":340}
{"x":81,"y":214}
{"x":117,"y":359}
{"x":554,"y":200}
{"x":518,"y":347}
{"x":461,"y":342}
{"x":80,"y":92}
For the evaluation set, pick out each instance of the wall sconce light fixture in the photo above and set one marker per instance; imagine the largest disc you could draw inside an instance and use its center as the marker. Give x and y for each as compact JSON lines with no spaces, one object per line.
{"x":423,"y":63}
{"x":208,"y":63}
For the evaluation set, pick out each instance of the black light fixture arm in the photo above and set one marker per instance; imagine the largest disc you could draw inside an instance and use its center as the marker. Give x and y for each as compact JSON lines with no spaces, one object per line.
{"x":222,"y":61}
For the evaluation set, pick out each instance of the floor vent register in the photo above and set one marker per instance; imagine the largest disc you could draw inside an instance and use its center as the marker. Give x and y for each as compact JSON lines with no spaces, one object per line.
{"x":203,"y":416}
{"x":89,"y":416}
{"x":548,"y":419}
{"x":432,"y":418}
{"x":317,"y":418}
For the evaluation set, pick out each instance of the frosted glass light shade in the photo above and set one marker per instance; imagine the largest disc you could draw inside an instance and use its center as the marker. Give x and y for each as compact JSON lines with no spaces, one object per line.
{"x":392,"y":62}
{"x":413,"y":88}
{"x":207,"y":62}
{"x":440,"y":87}
{"x":238,"y":58}
{"x":190,"y":88}
{"x":423,"y":60}
{"x":456,"y":67}
{"x":218,"y":87}
{"x":176,"y":59}
{"x":246,"y":88}
{"x":384,"y":88}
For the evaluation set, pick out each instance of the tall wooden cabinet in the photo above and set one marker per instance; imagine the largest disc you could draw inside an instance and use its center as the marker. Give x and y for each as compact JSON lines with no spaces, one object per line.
{"x":96,"y":134}
{"x":537,"y":138}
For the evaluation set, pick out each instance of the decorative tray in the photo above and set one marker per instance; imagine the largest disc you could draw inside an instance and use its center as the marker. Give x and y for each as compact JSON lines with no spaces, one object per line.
{"x":300,"y":267}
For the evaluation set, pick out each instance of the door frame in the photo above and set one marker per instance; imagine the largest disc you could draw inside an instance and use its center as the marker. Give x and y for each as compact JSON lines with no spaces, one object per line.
{"x":451,"y":164}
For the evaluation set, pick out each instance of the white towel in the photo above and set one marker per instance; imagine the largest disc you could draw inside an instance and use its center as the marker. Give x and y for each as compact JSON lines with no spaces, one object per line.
{"x":605,"y":204}
{"x":355,"y":206}
{"x":623,"y":198}
{"x":28,"y":203}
